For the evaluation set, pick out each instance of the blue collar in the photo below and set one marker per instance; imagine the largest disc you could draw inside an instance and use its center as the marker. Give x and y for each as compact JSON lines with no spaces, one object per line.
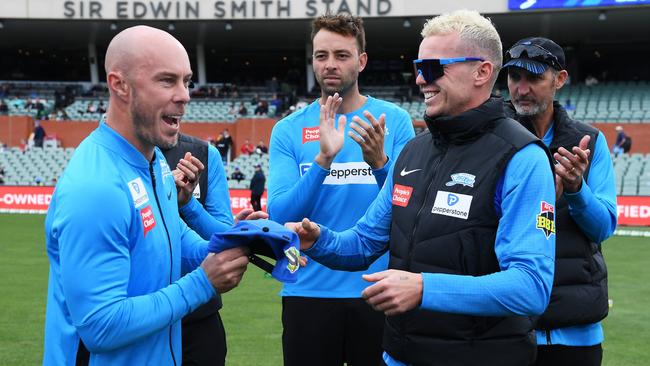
{"x":115,"y":142}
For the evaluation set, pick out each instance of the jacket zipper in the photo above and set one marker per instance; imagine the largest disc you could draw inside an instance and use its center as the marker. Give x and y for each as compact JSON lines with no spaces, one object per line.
{"x":548,"y":337}
{"x":169,"y":243}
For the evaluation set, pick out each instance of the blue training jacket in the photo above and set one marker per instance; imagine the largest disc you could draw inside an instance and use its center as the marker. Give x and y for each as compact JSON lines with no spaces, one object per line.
{"x":116,"y":246}
{"x":337,"y":197}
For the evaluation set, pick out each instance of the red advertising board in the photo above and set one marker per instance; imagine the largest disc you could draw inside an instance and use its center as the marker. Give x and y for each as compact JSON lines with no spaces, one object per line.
{"x":633,"y":210}
{"x":25,"y":198}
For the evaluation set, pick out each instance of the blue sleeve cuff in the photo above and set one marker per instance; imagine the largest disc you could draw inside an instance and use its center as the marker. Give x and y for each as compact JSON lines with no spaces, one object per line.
{"x":189,"y":207}
{"x":381,"y":173}
{"x":317,"y":250}
{"x":580,"y":199}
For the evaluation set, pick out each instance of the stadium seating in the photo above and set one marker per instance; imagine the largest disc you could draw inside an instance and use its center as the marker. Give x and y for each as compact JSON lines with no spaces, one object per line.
{"x":196,"y":111}
{"x":246,"y":164}
{"x":36,"y":166}
{"x":632,"y":174}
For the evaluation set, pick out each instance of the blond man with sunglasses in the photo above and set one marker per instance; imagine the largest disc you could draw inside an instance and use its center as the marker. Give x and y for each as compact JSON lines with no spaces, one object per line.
{"x":466,"y":214}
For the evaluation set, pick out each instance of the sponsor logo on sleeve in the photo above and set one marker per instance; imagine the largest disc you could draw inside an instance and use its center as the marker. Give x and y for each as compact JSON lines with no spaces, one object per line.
{"x":138,"y":192}
{"x":164,"y":168}
{"x":293,"y":255}
{"x":310,"y":134}
{"x":452,"y":204}
{"x":148,"y":219}
{"x":401,"y":195}
{"x":546,"y":219}
{"x":465,"y":179}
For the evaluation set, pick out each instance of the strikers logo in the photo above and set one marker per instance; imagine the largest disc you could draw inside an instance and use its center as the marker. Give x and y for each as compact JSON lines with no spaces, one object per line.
{"x":546,"y":219}
{"x":310,"y":134}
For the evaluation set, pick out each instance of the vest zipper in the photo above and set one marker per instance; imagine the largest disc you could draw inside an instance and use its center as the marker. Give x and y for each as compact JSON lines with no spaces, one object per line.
{"x":169,"y":243}
{"x":548,"y":337}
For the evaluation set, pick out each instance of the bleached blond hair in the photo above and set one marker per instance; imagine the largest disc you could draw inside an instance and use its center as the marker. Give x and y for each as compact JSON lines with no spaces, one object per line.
{"x":480,"y":38}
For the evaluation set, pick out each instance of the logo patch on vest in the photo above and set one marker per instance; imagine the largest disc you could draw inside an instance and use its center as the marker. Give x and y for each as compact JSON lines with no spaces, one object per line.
{"x":148,"y":220}
{"x":310,"y":134}
{"x":465,"y":179}
{"x":138,"y":192}
{"x":546,"y":219}
{"x":452,"y":204}
{"x":401,"y":195}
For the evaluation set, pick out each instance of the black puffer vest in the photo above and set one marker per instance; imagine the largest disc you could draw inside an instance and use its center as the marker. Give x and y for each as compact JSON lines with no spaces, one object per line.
{"x":579,"y":293}
{"x":444,"y":221}
{"x":199,"y":150}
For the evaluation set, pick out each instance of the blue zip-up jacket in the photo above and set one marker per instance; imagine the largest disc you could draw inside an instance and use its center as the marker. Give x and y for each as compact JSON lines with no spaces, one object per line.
{"x":116,"y":246}
{"x":337,"y":197}
{"x":593,"y":208}
{"x":524,"y":253}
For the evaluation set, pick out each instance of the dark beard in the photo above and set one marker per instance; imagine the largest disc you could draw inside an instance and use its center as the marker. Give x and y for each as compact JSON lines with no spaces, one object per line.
{"x":143,"y":125}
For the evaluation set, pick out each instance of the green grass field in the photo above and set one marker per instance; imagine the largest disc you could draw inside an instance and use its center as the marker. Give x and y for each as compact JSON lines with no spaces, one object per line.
{"x":252,"y":311}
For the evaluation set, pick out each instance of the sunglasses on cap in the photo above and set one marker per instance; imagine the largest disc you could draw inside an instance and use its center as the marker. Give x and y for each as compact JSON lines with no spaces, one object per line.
{"x":432,"y":69}
{"x":536,"y":53}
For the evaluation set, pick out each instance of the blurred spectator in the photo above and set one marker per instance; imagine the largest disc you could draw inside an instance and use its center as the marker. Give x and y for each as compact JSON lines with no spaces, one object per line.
{"x":277,"y":102}
{"x":233,"y":111}
{"x":247,"y":148}
{"x":62,"y":115}
{"x":242,"y":110}
{"x":568,"y":106}
{"x":591,"y":80}
{"x":262,"y":148}
{"x":237,"y":175}
{"x":273,"y":85}
{"x":234,"y":91}
{"x":223,"y":144}
{"x":39,"y":134}
{"x":4,"y":108}
{"x":256,"y":99}
{"x":2,"y":175}
{"x":262,"y":108}
{"x":257,"y":188}
{"x":91,"y":108}
{"x":623,"y":142}
{"x":101,"y":108}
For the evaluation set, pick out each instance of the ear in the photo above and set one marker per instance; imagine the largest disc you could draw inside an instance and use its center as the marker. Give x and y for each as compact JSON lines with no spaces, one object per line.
{"x":117,"y":85}
{"x":561,"y":78}
{"x":483,"y":73}
{"x":363,"y":61}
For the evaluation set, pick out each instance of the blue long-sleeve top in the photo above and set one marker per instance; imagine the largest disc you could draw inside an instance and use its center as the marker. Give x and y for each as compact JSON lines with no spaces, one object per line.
{"x":593,"y":208}
{"x":116,"y":247}
{"x":337,"y":197}
{"x":216,"y":214}
{"x":525,"y":254}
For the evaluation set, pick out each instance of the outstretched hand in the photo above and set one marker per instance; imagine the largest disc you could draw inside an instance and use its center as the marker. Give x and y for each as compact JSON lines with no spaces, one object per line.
{"x":394,"y":292}
{"x":307,"y":231}
{"x":331,"y":136}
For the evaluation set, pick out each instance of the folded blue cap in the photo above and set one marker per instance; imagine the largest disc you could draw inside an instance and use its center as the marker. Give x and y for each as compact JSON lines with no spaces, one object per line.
{"x":267,"y":238}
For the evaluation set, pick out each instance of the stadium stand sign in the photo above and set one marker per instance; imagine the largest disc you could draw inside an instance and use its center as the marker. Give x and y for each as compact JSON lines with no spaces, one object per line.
{"x":633,"y":210}
{"x":229,"y":9}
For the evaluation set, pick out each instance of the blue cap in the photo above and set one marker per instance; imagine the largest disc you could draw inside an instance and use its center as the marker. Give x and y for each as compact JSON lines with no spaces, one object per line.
{"x":267,"y":238}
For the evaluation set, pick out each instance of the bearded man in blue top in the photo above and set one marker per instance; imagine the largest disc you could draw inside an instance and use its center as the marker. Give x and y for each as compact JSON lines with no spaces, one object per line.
{"x":333,"y":181}
{"x":116,"y":244}
{"x":569,"y":331}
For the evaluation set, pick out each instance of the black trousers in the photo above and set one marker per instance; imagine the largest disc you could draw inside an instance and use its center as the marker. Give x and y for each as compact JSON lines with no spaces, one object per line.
{"x":256,"y":201}
{"x":204,"y":341}
{"x":559,"y":355}
{"x":331,"y":332}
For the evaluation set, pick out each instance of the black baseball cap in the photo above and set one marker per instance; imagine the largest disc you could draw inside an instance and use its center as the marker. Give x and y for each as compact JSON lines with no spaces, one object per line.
{"x":535,"y":54}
